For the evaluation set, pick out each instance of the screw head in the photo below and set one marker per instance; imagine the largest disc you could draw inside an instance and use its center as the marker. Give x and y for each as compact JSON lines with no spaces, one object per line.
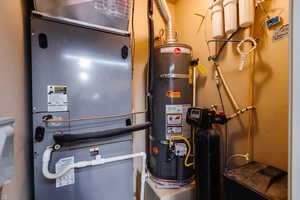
{"x":57,"y":147}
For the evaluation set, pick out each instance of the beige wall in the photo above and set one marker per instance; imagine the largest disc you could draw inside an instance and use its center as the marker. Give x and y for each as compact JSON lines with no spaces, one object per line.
{"x":271,"y":81}
{"x":13,"y":98}
{"x":271,"y":78}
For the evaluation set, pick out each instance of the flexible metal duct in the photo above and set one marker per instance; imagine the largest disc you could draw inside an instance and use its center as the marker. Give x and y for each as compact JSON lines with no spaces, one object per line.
{"x":167,"y":17}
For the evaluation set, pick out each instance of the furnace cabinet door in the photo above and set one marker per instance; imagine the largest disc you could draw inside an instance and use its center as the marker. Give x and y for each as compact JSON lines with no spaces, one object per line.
{"x":88,"y":62}
{"x":79,"y":72}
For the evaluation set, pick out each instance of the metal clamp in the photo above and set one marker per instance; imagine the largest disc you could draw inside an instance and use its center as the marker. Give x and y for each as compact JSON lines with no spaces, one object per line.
{"x":177,"y":76}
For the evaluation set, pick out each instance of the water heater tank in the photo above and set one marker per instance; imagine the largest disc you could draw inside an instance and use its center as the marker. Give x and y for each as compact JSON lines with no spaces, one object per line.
{"x":171,"y":97}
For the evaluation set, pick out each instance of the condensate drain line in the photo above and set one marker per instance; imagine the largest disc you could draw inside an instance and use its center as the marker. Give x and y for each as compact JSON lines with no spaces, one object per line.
{"x":96,"y":162}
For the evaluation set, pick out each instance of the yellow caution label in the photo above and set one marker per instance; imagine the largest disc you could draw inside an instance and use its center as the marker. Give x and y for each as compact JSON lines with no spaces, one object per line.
{"x":201,"y":68}
{"x":59,"y":86}
{"x":191,"y":75}
{"x":175,"y":94}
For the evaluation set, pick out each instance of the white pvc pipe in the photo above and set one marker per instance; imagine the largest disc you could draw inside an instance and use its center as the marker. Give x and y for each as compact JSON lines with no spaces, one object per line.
{"x":46,"y":160}
{"x":97,"y":161}
{"x":194,"y":86}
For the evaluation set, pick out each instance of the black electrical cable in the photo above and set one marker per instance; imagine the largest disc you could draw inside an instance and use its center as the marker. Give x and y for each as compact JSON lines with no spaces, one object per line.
{"x":216,"y":57}
{"x":221,"y":98}
{"x":226,"y":126}
{"x":133,"y":31}
{"x":150,"y":78}
{"x":151,"y":40}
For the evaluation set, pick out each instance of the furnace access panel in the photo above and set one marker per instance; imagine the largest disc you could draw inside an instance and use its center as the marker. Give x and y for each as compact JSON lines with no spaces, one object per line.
{"x":80,"y":72}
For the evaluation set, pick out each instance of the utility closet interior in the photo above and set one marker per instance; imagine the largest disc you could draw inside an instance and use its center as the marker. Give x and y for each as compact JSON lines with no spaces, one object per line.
{"x":145,"y":100}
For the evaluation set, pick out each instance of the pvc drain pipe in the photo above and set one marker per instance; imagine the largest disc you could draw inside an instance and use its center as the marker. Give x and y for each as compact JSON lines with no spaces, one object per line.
{"x":98,"y":161}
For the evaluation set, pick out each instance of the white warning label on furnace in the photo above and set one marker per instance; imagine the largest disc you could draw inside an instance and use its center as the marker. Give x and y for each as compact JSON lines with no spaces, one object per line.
{"x":57,"y":98}
{"x":176,"y":124}
{"x":68,"y":178}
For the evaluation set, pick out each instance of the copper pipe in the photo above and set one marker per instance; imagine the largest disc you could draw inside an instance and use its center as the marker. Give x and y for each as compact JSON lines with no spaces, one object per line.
{"x":95,"y":118}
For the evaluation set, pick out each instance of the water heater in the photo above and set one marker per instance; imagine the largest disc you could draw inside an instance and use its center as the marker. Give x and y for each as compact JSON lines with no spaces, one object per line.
{"x":171,"y":98}
{"x":171,"y":95}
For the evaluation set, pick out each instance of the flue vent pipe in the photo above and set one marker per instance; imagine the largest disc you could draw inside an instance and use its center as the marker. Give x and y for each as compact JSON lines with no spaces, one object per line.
{"x":167,"y":17}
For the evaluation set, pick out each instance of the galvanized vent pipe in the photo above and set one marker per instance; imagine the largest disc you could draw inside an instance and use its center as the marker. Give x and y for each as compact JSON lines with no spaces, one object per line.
{"x":167,"y":17}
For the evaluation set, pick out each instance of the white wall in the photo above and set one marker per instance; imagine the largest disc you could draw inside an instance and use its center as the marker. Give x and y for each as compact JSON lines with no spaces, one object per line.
{"x":13,"y":94}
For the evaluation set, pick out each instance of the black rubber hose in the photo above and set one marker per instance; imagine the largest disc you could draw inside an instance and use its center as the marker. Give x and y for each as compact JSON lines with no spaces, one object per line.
{"x":150,"y":78}
{"x":61,"y":138}
{"x":151,"y":41}
{"x":225,"y":43}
